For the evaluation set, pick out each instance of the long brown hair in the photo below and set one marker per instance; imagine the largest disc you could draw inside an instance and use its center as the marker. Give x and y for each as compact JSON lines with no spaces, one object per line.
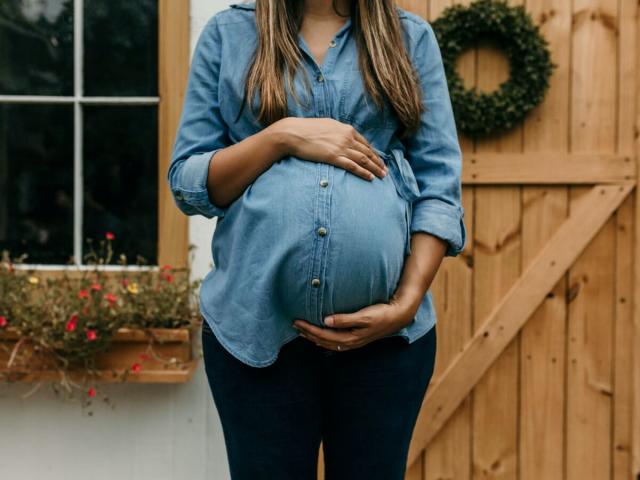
{"x":385,"y":66}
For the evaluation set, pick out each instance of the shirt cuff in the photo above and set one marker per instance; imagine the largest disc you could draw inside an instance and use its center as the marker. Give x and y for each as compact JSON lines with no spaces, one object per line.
{"x":441,"y":220}
{"x":191,"y":193}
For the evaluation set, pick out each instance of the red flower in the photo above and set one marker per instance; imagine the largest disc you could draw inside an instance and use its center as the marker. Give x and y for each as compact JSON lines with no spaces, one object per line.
{"x":111,"y":298}
{"x":144,"y":356}
{"x":96,"y":287}
{"x":83,"y":294}
{"x":71,"y":323}
{"x":91,"y":335}
{"x":91,"y":392}
{"x":3,"y":321}
{"x":166,"y":267}
{"x":110,"y":236}
{"x":135,"y":368}
{"x":168,"y":277}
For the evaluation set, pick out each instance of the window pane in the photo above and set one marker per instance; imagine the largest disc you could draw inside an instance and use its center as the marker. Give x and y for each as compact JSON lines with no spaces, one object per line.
{"x":36,"y":182}
{"x":121,"y":178}
{"x":36,"y":47}
{"x":121,"y":47}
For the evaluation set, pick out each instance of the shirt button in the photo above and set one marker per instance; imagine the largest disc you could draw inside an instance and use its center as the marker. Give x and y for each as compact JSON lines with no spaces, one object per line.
{"x":320,"y":78}
{"x":324,"y":182}
{"x":332,"y":43}
{"x":322,"y":231}
{"x":315,"y":282}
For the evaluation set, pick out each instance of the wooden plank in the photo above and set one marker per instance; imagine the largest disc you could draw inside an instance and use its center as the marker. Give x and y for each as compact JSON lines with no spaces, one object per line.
{"x":589,"y":213}
{"x":548,"y":167}
{"x":128,"y":335}
{"x":542,"y":356}
{"x":593,"y":128}
{"x":173,"y":71}
{"x":634,"y":45}
{"x":623,"y":342}
{"x":497,"y":262}
{"x":623,"y":328}
{"x":180,"y":374}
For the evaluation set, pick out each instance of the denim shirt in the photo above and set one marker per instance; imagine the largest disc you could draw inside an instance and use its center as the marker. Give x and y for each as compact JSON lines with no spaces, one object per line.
{"x":308,"y":239}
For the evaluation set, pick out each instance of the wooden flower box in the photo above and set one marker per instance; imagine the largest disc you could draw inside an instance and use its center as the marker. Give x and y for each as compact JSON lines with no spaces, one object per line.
{"x":171,"y":359}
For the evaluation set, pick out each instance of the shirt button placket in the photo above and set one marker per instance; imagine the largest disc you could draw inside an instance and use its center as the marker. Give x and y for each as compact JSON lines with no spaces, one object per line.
{"x":320,"y":244}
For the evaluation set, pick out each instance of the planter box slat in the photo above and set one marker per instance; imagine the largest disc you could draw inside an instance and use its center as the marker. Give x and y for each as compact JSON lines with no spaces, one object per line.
{"x":170,"y":361}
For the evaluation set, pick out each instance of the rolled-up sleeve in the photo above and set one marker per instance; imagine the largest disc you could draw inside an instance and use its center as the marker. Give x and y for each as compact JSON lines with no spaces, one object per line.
{"x":434,"y":152}
{"x":201,"y":132}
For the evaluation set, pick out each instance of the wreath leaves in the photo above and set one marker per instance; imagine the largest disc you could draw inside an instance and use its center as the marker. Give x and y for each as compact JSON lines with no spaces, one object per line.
{"x":480,"y":114}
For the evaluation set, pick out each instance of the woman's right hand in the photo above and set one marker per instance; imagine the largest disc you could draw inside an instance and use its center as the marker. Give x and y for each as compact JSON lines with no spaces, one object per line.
{"x":327,"y":140}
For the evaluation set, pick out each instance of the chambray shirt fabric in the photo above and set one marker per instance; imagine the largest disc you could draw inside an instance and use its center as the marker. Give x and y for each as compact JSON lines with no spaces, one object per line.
{"x":308,"y":239}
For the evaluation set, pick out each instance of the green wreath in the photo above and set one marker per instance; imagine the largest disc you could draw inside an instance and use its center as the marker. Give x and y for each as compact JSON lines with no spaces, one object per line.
{"x":530,"y":66}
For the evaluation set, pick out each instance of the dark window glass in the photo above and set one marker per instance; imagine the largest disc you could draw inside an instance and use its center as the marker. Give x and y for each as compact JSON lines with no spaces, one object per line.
{"x":121,"y":47}
{"x":36,"y":182}
{"x":121,"y":178}
{"x":36,"y":47}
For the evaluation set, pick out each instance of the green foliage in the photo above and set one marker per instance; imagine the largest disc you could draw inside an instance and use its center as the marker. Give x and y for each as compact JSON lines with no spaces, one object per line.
{"x":73,"y":316}
{"x":530,"y":67}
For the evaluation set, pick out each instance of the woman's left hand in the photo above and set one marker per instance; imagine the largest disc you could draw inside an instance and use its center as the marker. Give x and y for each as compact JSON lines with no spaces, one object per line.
{"x":352,"y":330}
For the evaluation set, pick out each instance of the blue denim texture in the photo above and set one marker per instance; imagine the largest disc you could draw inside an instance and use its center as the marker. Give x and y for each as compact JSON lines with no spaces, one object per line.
{"x":266,"y":248}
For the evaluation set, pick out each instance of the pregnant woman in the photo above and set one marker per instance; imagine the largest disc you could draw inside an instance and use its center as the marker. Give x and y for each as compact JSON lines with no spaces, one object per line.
{"x":320,"y":134}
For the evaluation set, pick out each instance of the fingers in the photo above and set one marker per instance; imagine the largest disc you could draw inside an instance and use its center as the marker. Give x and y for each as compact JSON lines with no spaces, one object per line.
{"x":361,"y":140}
{"x":359,"y":164}
{"x":362,"y":155}
{"x":354,"y":167}
{"x":327,"y":337}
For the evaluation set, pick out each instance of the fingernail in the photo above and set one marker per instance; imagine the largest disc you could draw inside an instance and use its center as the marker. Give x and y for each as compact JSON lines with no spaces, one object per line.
{"x":328,"y":321}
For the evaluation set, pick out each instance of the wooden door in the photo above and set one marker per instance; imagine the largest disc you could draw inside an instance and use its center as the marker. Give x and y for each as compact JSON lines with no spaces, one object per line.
{"x":535,"y":375}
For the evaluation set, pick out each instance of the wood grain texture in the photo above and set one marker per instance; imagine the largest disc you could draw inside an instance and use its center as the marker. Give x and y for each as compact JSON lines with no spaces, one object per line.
{"x":542,"y":356}
{"x":592,"y":129}
{"x":498,"y":265}
{"x":623,"y":345}
{"x":173,"y":71}
{"x":545,"y":167}
{"x":590,"y":212}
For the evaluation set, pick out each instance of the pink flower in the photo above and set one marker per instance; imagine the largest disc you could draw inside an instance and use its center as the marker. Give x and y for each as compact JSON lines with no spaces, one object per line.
{"x":3,"y":321}
{"x":91,"y":335}
{"x":111,"y":298}
{"x":125,"y":282}
{"x":91,"y":392}
{"x":96,"y":287}
{"x":71,"y":323}
{"x":83,"y":294}
{"x":110,"y":236}
{"x":135,"y":368}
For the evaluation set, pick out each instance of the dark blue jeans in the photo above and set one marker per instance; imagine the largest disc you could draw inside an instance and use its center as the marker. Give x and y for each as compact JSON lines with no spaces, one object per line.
{"x":361,"y":403}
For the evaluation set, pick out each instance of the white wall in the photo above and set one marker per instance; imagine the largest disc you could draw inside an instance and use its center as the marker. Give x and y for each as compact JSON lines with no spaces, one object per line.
{"x":154,"y":432}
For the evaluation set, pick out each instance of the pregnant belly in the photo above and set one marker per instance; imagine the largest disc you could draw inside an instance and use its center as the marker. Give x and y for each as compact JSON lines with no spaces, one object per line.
{"x":360,"y":258}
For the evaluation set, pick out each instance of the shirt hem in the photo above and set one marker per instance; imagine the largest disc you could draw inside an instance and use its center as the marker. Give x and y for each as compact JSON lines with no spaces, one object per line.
{"x":246,"y":360}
